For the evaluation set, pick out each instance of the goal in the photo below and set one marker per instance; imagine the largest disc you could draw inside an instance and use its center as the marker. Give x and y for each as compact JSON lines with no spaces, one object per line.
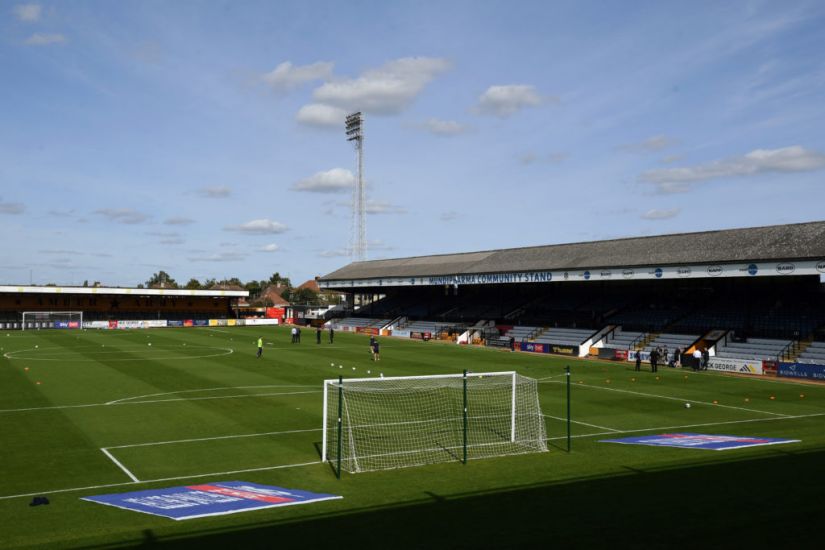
{"x":395,"y":422}
{"x":52,"y":319}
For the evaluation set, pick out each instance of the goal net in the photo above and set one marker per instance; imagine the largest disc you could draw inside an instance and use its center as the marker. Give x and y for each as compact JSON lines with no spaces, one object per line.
{"x":52,"y":319}
{"x":384,"y":423}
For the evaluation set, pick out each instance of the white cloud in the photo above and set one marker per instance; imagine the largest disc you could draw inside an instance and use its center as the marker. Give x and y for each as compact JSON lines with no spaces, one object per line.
{"x":270,"y":248}
{"x":386,"y":90}
{"x":338,"y":253}
{"x":215,"y":192}
{"x":287,"y":76}
{"x":383,"y":207}
{"x":503,"y":101}
{"x":11,"y":208}
{"x":40,"y":39}
{"x":219,"y":257}
{"x":650,"y":145}
{"x":332,"y":181}
{"x":123,"y":215}
{"x":444,"y":127}
{"x":448,"y":216}
{"x":324,"y":116}
{"x":661,"y":214}
{"x":759,"y":161}
{"x":258,"y":227}
{"x":28,"y":12}
{"x":178,"y":220}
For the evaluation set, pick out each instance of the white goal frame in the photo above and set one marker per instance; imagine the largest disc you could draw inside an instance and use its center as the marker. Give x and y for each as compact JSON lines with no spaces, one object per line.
{"x":38,"y":316}
{"x":339,"y":385}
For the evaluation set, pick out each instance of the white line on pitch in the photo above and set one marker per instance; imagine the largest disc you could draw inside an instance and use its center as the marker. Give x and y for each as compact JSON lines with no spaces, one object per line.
{"x":582,"y":423}
{"x":147,"y":481}
{"x":212,"y":438}
{"x":241,"y":396}
{"x":682,"y":399}
{"x":117,"y":401}
{"x":119,"y":465}
{"x":706,"y":424}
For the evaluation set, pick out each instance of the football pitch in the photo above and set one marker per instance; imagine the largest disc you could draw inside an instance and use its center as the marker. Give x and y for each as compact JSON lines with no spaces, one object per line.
{"x":96,"y":412}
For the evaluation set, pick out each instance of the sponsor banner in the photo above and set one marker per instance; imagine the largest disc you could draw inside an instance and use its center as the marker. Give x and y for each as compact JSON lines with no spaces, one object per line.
{"x":241,"y":322}
{"x":173,"y":323}
{"x":533,"y":347}
{"x":213,"y":322}
{"x":700,"y":441}
{"x":769,"y":367}
{"x":421,"y":335}
{"x":61,"y":324}
{"x":498,"y":342}
{"x":221,"y":322}
{"x":693,"y":271}
{"x":199,"y":323}
{"x":112,"y":324}
{"x":129,"y":324}
{"x":735,"y":365}
{"x":231,"y":322}
{"x":212,"y":499}
{"x":401,"y":333}
{"x":621,"y":354}
{"x":801,"y":370}
{"x":563,"y":350}
{"x":156,"y":323}
{"x":367,"y":330}
{"x":188,"y":323}
{"x":74,"y":324}
{"x":96,"y":324}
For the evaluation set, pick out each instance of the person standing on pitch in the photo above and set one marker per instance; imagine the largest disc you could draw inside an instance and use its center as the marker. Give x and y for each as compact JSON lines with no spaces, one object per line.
{"x":638,"y":361}
{"x":294,"y":335}
{"x":654,"y":360}
{"x":318,"y":335}
{"x":331,"y":334}
{"x":260,"y":348}
{"x":376,"y":356}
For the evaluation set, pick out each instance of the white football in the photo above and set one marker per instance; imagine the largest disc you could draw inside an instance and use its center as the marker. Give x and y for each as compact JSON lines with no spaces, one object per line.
{"x":687,"y":405}
{"x":150,"y":343}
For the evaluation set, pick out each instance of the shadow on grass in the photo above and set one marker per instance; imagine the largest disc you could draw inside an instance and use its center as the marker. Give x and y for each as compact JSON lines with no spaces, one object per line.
{"x":774,"y":501}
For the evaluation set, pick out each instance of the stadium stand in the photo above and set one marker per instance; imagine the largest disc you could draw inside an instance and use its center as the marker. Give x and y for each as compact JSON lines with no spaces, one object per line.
{"x":814,"y":353}
{"x":621,"y":339}
{"x":763,"y":349}
{"x":671,"y":341}
{"x":563,"y":336}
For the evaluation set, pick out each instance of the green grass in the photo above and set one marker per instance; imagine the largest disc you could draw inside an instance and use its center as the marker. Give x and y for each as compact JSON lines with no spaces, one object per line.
{"x":112,"y":390}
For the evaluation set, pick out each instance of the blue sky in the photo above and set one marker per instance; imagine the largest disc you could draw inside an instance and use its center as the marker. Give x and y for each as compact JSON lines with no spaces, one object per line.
{"x":206,"y":138}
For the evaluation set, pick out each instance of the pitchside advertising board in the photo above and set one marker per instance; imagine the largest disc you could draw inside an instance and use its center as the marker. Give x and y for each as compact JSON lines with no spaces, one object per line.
{"x":212,"y":499}
{"x":698,"y":271}
{"x":711,"y":442}
{"x":741,"y":366}
{"x":801,"y":370}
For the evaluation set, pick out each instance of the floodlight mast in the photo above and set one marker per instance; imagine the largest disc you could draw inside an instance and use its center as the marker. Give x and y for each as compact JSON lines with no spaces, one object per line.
{"x":358,"y":238}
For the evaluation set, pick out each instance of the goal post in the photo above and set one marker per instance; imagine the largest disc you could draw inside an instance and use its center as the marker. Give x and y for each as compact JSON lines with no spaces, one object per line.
{"x":52,"y":319}
{"x":395,"y":422}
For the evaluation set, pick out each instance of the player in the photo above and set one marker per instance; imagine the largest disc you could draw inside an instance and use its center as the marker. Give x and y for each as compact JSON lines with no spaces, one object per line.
{"x":376,"y":355}
{"x":318,"y":335}
{"x":260,"y":348}
{"x":331,"y":334}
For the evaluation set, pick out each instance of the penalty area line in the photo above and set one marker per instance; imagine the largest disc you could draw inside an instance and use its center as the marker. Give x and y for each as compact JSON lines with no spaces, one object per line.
{"x":582,"y":423}
{"x":147,"y":481}
{"x":126,"y":471}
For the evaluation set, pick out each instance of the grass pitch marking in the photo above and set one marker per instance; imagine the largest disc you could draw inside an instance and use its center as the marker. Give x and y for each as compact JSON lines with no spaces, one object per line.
{"x":154,"y":443}
{"x":88,"y":405}
{"x":224,"y":352}
{"x":120,"y":465}
{"x":117,"y":401}
{"x":680,"y":399}
{"x":582,"y":423}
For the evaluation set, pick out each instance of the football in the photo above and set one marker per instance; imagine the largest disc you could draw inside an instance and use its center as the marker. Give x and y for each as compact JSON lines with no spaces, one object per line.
{"x":687,"y":405}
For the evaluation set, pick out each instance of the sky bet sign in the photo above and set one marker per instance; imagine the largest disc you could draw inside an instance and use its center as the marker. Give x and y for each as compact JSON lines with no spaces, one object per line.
{"x":750,"y":269}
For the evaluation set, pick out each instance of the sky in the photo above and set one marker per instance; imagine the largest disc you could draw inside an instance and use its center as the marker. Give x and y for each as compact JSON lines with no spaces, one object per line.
{"x":206,"y":138}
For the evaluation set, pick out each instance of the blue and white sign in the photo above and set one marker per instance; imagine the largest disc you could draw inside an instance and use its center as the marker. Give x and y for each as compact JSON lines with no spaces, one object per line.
{"x":212,"y":499}
{"x":801,"y":370}
{"x":700,"y":441}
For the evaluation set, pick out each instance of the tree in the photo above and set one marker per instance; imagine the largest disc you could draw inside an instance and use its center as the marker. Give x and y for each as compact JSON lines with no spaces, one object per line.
{"x":85,"y":283}
{"x":304,"y":296}
{"x":161,"y":279}
{"x":193,"y":284}
{"x":276,"y":280}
